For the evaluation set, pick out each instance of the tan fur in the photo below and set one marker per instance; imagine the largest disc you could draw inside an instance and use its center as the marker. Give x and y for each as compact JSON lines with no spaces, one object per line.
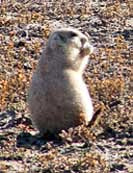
{"x":58,"y":96}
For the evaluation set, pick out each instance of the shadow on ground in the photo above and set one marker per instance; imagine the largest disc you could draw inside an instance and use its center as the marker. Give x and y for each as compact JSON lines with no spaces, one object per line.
{"x":111,"y":133}
{"x":27,"y":140}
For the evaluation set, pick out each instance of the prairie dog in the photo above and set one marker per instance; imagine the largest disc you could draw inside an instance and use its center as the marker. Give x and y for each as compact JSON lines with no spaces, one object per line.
{"x":58,"y":96}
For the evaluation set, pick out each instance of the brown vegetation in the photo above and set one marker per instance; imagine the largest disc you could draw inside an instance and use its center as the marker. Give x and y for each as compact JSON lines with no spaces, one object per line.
{"x":106,"y":146}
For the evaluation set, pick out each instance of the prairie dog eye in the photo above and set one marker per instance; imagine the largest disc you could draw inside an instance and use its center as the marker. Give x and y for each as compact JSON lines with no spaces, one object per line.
{"x":73,"y":34}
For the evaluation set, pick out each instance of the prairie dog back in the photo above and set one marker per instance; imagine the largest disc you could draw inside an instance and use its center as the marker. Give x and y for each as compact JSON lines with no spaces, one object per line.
{"x":58,"y":96}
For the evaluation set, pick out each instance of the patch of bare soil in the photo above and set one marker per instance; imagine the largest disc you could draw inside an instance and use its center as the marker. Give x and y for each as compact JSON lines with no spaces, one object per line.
{"x":106,"y":146}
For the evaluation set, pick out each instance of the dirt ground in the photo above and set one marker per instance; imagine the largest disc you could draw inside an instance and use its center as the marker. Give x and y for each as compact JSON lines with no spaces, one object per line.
{"x":106,"y":146}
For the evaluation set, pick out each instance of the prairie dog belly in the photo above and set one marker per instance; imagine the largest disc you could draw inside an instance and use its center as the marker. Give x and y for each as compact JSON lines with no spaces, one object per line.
{"x":81,"y":95}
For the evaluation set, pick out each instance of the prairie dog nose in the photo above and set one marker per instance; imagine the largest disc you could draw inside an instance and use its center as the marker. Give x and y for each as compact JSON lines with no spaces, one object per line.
{"x":83,"y":40}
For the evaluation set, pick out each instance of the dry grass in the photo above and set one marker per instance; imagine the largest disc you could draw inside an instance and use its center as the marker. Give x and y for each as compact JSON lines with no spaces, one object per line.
{"x":106,"y":146}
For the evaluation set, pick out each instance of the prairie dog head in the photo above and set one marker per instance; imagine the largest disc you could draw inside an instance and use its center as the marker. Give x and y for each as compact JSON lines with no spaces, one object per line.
{"x":70,"y":47}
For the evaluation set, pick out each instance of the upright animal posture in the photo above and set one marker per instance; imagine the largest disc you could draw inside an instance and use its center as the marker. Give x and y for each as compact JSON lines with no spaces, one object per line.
{"x":58,"y":96}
